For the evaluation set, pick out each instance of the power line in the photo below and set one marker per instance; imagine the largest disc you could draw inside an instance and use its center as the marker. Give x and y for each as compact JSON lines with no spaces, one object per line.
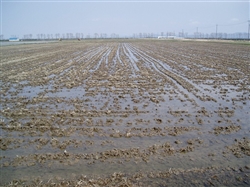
{"x":233,"y":24}
{"x":248,"y":28}
{"x":216,"y":30}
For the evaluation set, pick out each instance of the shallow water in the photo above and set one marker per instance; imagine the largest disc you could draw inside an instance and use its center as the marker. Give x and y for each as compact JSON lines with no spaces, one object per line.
{"x":83,"y":113}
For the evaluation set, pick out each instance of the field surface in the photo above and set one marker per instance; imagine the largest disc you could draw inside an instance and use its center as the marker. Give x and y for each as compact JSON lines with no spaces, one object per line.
{"x":125,"y":113}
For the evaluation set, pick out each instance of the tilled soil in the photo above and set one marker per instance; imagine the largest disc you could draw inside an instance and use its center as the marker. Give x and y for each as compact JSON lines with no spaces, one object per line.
{"x":125,"y":113}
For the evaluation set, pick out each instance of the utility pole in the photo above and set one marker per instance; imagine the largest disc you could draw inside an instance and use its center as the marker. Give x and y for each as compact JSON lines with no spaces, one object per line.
{"x":196,"y":32}
{"x":248,"y":28}
{"x":216,"y":31}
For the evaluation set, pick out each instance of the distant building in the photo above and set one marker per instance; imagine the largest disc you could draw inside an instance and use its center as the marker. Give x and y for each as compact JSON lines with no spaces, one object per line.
{"x":162,"y":37}
{"x":14,"y":39}
{"x":169,"y":37}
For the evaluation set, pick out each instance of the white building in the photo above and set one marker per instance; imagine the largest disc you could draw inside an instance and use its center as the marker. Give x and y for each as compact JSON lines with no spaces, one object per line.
{"x":14,"y":39}
{"x":162,"y":37}
{"x":169,"y":37}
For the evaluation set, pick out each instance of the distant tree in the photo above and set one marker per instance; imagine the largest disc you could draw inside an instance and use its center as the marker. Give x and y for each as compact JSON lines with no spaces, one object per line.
{"x":96,"y":35}
{"x":57,"y":35}
{"x":113,"y":35}
{"x":240,"y":35}
{"x":225,"y":35}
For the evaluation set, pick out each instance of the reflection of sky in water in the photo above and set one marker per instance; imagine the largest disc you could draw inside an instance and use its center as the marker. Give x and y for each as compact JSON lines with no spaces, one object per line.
{"x":31,"y":91}
{"x":68,"y":93}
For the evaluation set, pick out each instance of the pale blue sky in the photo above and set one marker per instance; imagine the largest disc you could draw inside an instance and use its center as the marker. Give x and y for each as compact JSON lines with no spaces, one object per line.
{"x":123,"y":18}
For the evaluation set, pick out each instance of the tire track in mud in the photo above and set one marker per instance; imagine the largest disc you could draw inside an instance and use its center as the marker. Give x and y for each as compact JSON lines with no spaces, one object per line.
{"x":112,"y":65}
{"x":137,"y":57}
{"x":83,"y":68}
{"x":165,"y":69}
{"x":131,"y":57}
{"x":118,"y":54}
{"x":103,"y":58}
{"x":126,"y":58}
{"x":185,"y":85}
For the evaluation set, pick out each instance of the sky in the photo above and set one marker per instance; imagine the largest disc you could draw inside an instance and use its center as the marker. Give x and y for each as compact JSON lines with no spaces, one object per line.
{"x":127,"y":17}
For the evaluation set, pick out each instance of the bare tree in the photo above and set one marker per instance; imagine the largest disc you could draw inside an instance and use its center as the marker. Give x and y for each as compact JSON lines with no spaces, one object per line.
{"x":113,"y":35}
{"x":57,"y":35}
{"x":96,"y":35}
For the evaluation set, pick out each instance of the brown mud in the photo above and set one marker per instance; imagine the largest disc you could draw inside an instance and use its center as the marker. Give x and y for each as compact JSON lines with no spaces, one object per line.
{"x":125,"y":113}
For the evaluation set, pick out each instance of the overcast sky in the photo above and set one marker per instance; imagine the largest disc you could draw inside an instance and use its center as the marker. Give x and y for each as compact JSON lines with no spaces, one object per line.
{"x":122,"y":17}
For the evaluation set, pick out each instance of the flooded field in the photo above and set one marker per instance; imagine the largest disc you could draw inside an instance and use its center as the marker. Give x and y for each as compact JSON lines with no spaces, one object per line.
{"x":125,"y":113}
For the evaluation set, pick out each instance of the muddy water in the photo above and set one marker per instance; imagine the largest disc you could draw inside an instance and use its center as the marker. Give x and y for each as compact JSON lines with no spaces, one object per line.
{"x":109,"y":113}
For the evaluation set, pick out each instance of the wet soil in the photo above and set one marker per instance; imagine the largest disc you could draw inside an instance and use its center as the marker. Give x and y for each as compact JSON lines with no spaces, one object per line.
{"x":125,"y":113}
